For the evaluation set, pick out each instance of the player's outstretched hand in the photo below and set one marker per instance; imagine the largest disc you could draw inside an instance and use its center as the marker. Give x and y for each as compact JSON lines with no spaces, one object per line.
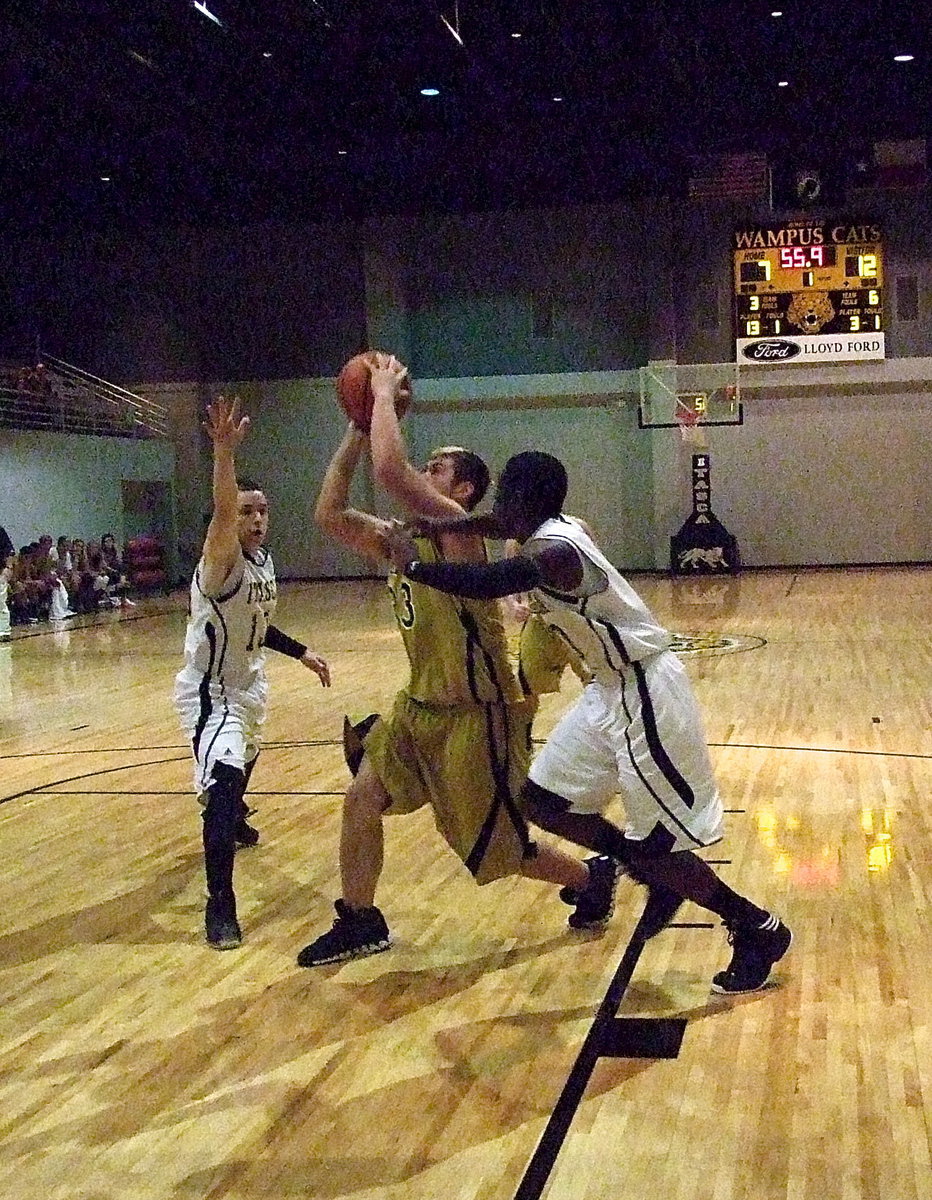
{"x":517,"y":608}
{"x":318,"y":665}
{"x":399,"y":545}
{"x":224,"y":424}
{"x":389,"y":377}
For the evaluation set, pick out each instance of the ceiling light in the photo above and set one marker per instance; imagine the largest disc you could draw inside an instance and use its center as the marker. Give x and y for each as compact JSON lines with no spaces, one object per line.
{"x":266,"y":53}
{"x":454,"y":29}
{"x":205,"y":11}
{"x":902,"y":58}
{"x":777,"y":13}
{"x":516,"y":35}
{"x":105,"y":179}
{"x":783,"y":83}
{"x":343,"y":152}
{"x":558,"y":99}
{"x":430,"y":91}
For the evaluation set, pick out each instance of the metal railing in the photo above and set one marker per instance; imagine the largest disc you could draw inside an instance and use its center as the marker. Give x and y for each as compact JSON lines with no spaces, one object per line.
{"x":66,"y":399}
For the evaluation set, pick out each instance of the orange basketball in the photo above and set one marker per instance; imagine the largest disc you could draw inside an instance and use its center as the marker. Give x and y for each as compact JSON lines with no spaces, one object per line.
{"x":354,"y":391}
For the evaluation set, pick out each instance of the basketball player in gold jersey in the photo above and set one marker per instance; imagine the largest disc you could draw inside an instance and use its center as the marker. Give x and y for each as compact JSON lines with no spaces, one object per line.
{"x":543,"y":653}
{"x":636,"y":729}
{"x":456,"y":738}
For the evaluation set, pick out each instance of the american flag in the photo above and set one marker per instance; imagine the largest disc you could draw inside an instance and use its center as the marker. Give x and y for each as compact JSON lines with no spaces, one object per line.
{"x":744,"y":177}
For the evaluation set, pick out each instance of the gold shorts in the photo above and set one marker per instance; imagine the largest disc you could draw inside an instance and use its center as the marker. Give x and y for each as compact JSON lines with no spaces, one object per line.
{"x":469,"y":764}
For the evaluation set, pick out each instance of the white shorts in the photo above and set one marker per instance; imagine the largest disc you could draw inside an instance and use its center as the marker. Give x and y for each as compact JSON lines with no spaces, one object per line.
{"x":223,"y":726}
{"x":642,"y":736}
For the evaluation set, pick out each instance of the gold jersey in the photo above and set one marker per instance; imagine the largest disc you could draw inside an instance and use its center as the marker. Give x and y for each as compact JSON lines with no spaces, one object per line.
{"x":456,"y":648}
{"x":543,"y":654}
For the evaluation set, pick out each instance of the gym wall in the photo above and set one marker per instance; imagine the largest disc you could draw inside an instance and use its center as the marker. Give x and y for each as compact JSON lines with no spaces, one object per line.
{"x":521,"y":328}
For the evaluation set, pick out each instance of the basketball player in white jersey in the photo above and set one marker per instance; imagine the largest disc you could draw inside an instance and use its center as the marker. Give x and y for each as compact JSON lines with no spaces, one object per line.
{"x":635,"y":728}
{"x":221,"y":690}
{"x":6,"y":573}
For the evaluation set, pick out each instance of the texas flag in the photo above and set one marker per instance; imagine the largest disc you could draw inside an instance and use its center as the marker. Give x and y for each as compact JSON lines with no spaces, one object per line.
{"x":893,"y":164}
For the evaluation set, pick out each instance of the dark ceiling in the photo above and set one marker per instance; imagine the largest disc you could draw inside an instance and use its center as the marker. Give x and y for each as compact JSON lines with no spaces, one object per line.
{"x":304,"y":109}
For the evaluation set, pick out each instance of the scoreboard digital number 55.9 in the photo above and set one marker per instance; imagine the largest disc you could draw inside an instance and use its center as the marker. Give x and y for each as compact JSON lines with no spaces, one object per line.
{"x":808,"y":293}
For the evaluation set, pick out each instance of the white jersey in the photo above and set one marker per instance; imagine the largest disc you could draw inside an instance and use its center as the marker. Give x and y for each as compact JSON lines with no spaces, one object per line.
{"x":604,"y":619}
{"x":4,"y":610}
{"x":224,"y":643}
{"x":636,"y":727}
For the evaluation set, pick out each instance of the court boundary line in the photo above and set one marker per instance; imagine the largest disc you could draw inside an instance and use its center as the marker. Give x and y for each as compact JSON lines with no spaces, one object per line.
{"x":542,"y":1161}
{"x":819,"y":750}
{"x":40,"y":788}
{"x":540,"y":1166}
{"x":53,"y":789}
{"x":174,"y":746}
{"x":29,"y":631}
{"x":293,"y":745}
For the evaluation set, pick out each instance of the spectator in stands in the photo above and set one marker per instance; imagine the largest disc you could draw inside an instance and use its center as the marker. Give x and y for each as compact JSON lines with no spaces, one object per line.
{"x":78,"y":562}
{"x":101,"y":586}
{"x":119,"y":583}
{"x":45,"y":389}
{"x":29,"y":595}
{"x":45,"y":557}
{"x":81,"y":586}
{"x":59,"y":600}
{"x":25,"y":384}
{"x":43,"y":585}
{"x":111,"y":555}
{"x":37,"y":397}
{"x":16,"y":597}
{"x":44,"y":570}
{"x":61,"y":556}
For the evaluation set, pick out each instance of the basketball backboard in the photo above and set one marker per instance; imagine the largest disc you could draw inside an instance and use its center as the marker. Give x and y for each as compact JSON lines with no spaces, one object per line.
{"x":712,"y":391}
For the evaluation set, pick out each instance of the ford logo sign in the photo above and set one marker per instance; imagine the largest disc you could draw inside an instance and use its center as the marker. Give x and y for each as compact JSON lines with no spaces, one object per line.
{"x":771,"y":350}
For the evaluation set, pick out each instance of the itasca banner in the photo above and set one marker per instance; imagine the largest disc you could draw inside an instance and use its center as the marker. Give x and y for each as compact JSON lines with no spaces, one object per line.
{"x":835,"y":347}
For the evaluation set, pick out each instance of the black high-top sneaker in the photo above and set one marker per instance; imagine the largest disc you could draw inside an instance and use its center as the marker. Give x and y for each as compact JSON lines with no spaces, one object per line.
{"x":355,"y":933}
{"x":594,"y":906}
{"x":754,"y":951}
{"x":220,"y":924}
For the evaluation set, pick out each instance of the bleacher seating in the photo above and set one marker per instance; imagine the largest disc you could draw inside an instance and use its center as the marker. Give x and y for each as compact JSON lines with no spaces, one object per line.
{"x":144,"y":564}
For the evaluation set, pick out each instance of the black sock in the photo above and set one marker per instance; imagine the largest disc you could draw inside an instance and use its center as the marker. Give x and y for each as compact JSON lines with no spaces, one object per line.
{"x":589,"y":830}
{"x":221,"y":813}
{"x":735,"y":909}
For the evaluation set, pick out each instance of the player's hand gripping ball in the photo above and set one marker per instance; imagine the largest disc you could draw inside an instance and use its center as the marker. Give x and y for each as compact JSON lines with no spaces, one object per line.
{"x":354,"y":390}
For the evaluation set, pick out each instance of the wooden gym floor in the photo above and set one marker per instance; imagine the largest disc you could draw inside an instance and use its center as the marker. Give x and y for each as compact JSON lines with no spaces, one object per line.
{"x":136,"y":1064}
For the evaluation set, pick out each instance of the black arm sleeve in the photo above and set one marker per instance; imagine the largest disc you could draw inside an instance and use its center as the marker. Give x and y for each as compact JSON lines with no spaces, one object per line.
{"x":477,"y":581}
{"x":282,"y":643}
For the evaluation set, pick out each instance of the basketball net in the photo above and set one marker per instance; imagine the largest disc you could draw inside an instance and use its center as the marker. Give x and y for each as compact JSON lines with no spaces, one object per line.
{"x":691,"y":432}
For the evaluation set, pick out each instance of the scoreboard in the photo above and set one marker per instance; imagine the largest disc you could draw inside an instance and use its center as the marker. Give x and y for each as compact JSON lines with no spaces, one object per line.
{"x":808,"y":293}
